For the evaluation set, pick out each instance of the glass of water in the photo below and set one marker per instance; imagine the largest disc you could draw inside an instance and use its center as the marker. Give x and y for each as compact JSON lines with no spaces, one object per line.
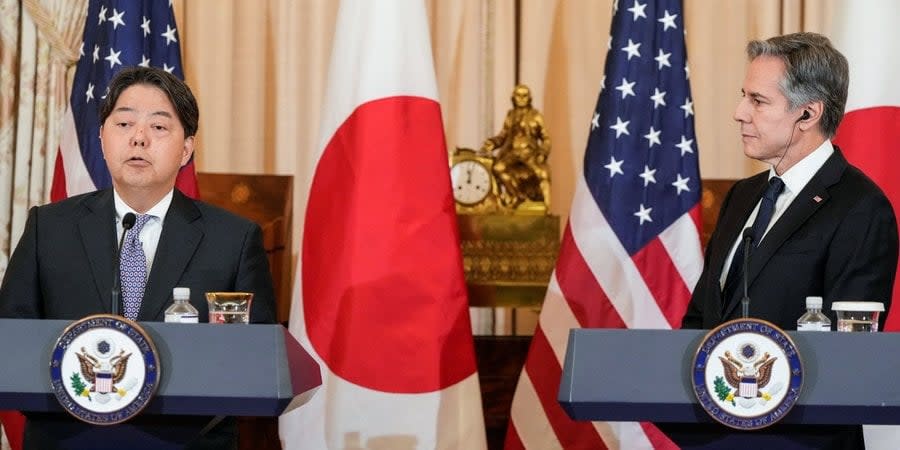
{"x":229,"y":307}
{"x":857,"y":316}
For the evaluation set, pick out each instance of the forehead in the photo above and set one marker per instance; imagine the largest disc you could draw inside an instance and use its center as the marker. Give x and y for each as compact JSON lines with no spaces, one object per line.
{"x":764,"y":76}
{"x":144,"y":98}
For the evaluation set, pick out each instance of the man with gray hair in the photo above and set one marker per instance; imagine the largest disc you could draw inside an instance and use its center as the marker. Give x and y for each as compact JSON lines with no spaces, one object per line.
{"x":817,"y":225}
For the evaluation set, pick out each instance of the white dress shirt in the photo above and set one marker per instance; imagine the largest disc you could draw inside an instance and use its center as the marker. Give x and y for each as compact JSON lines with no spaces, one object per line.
{"x":152,"y":229}
{"x":795,"y":179}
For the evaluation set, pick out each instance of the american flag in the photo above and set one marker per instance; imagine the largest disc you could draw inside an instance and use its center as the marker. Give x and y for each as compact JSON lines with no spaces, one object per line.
{"x":117,"y":34}
{"x":630,"y":254}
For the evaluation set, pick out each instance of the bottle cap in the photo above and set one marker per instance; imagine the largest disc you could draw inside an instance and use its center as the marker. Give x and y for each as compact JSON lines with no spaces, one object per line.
{"x":814,"y":302}
{"x":181,"y":293}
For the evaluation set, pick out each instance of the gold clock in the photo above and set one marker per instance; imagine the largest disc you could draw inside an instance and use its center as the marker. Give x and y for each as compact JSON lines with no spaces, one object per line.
{"x":474,"y":187}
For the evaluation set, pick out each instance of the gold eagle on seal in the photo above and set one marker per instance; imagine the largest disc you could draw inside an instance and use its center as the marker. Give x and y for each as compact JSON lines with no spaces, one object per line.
{"x":91,"y":368}
{"x":748,"y":377}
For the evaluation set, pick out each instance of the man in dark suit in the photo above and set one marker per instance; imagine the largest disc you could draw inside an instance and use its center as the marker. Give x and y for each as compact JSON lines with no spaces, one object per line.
{"x":819,"y":226}
{"x":64,"y":264}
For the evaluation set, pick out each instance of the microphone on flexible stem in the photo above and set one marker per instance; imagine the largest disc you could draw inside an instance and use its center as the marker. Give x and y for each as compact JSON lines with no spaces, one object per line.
{"x":127,"y":223}
{"x":748,"y":242}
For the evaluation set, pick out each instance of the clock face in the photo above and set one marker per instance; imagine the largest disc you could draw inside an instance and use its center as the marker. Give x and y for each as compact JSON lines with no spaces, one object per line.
{"x":471,"y":182}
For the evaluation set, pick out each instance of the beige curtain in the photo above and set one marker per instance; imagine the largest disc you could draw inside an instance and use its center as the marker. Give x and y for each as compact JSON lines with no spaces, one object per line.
{"x":39,"y":42}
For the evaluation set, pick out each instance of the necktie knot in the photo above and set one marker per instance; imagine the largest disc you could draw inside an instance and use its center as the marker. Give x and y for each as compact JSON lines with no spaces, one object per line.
{"x":142,"y":220}
{"x":776,"y":185}
{"x":135,"y":231}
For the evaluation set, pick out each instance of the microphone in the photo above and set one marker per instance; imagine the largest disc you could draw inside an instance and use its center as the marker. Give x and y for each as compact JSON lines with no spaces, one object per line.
{"x":748,"y":241}
{"x":127,"y":223}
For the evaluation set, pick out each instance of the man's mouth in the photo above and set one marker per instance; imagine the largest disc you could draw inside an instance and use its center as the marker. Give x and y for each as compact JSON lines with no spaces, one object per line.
{"x":136,"y":160}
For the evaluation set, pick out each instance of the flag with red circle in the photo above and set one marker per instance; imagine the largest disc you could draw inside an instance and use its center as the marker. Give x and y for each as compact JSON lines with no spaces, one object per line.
{"x":380,"y":298}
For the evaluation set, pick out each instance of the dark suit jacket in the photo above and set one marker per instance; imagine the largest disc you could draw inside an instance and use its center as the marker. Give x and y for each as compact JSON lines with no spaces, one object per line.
{"x":842,"y":246}
{"x":63,"y":268}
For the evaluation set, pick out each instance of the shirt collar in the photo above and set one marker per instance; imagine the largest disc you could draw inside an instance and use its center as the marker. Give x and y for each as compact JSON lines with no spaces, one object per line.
{"x":158,"y":210}
{"x":796,"y":178}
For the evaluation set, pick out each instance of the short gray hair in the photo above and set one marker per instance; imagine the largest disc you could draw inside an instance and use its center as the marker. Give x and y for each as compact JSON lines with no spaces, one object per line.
{"x":813,"y":71}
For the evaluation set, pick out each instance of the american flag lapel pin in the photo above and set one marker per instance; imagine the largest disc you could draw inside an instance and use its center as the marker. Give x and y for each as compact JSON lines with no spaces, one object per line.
{"x":817,"y":199}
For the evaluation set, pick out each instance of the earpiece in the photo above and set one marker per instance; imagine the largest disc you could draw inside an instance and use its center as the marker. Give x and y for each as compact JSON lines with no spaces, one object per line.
{"x":804,"y":116}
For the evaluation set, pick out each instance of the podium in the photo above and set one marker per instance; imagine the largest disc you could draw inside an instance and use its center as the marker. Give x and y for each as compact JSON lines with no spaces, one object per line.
{"x":643,"y":375}
{"x":206,"y":370}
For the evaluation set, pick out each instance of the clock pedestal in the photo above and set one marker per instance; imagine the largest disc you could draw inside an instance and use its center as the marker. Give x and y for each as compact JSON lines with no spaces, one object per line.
{"x":508,"y":260}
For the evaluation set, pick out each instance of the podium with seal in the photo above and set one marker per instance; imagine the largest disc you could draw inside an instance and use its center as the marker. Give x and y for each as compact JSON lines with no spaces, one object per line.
{"x":645,"y":375}
{"x":206,"y":372}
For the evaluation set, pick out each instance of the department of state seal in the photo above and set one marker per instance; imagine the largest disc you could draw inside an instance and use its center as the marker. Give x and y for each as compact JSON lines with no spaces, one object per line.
{"x":104,"y":369}
{"x":747,"y":374}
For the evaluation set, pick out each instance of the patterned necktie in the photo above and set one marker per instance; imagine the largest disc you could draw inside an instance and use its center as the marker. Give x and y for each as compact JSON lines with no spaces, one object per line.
{"x":766,"y":208}
{"x":134,"y":268}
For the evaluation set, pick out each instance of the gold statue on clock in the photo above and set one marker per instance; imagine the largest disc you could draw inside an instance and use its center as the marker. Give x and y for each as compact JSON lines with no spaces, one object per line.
{"x":520,"y":152}
{"x":509,"y":239}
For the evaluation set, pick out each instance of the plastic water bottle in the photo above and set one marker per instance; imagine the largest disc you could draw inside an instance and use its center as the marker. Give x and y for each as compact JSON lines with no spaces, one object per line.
{"x":181,"y":310}
{"x":813,"y":319}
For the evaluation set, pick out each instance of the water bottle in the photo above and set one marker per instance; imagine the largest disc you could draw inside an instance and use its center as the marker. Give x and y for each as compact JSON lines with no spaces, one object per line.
{"x":181,"y":310}
{"x":813,"y":319}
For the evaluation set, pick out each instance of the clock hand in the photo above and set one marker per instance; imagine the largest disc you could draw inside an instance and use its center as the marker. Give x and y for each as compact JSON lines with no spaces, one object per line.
{"x":469,"y":176}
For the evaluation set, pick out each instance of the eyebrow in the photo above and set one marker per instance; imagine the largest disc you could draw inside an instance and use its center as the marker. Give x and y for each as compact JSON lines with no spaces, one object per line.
{"x":754,"y":95}
{"x":156,"y":113}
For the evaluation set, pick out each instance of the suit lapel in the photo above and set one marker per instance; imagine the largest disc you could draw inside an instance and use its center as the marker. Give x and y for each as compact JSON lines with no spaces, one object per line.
{"x":100,"y":247}
{"x":800,"y":210}
{"x":177,"y":243}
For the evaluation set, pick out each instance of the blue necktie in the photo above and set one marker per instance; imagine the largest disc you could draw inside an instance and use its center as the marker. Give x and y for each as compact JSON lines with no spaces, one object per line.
{"x":134,"y":268}
{"x":766,"y":208}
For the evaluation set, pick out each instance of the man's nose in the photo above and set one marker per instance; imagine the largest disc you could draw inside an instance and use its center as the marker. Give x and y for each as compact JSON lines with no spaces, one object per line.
{"x":740,"y":111}
{"x":139,"y":139}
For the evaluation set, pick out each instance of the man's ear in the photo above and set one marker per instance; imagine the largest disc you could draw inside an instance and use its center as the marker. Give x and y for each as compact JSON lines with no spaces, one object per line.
{"x":810,"y":115}
{"x":187,"y":150}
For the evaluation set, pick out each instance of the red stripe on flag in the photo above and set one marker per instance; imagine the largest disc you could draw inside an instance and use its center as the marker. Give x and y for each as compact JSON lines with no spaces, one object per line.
{"x":14,"y":426}
{"x":868,"y":138}
{"x":543,"y":369}
{"x":58,"y":188}
{"x":664,"y":281}
{"x":513,"y":441}
{"x":659,"y":439}
{"x":696,"y":215}
{"x":186,"y":182}
{"x":586,"y":298}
